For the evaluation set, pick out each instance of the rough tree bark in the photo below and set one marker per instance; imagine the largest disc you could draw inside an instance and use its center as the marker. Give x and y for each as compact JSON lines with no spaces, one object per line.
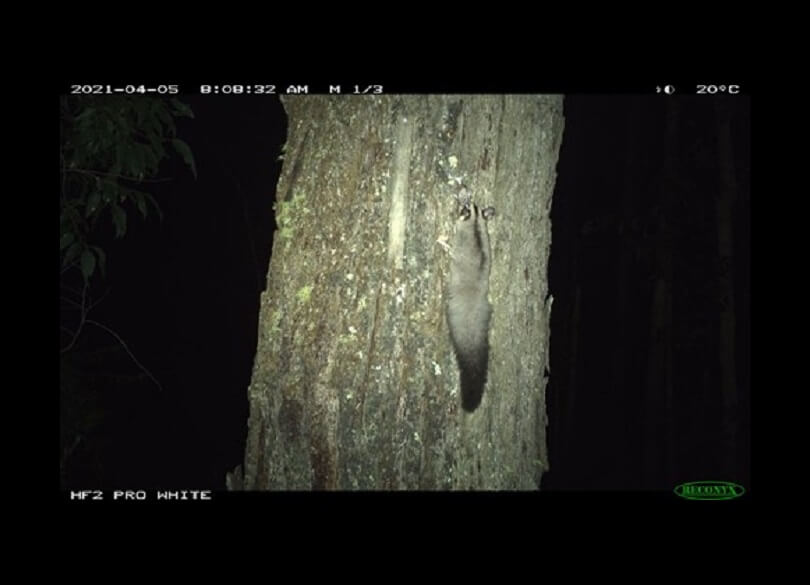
{"x":355,"y":385}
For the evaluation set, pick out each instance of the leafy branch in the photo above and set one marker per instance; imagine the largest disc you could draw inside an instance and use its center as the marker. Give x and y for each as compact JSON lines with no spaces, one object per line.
{"x":109,"y":146}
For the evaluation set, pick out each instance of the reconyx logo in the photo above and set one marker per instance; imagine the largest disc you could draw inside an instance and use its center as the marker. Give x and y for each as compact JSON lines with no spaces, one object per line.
{"x":709,"y":490}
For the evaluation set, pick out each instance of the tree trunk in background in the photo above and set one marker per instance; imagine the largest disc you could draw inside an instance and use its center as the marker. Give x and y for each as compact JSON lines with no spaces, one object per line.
{"x":355,"y":384}
{"x":659,"y":408}
{"x":725,"y":253}
{"x":621,"y":374}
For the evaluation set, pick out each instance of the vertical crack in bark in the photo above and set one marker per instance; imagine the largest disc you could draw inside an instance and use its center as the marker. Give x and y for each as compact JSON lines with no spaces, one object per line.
{"x":372,"y":347}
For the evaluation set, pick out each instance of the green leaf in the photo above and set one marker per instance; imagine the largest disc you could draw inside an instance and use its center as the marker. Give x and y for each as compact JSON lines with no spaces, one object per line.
{"x":89,"y":112}
{"x":155,"y":140}
{"x":88,"y":263}
{"x":120,"y":220}
{"x":140,"y":201}
{"x":75,"y":218}
{"x":181,"y":109}
{"x":65,"y":241}
{"x":110,"y":192}
{"x":155,"y":204}
{"x":150,"y":158}
{"x":72,"y":253}
{"x":183,"y":150}
{"x":134,"y":159}
{"x":102,"y":257}
{"x":92,"y":202}
{"x":164,"y":116}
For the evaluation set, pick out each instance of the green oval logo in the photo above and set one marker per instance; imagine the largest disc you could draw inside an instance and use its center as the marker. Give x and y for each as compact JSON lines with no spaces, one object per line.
{"x":709,"y":490}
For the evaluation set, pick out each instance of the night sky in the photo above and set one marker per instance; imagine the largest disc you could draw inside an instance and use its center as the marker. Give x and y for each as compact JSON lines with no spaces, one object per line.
{"x":184,"y":295}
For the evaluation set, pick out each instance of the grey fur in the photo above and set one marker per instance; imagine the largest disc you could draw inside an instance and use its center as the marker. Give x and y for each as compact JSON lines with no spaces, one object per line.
{"x":468,"y":309}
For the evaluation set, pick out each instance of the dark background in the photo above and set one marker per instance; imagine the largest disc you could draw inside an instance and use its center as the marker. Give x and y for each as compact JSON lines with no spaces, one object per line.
{"x":183,"y":293}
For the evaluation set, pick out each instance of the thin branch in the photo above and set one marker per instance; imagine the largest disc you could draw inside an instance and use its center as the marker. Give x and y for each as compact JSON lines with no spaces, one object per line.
{"x":69,"y":288}
{"x":72,"y":341}
{"x":82,"y":321}
{"x":68,"y":451}
{"x":124,"y":345}
{"x":96,"y":303}
{"x":68,"y":267}
{"x":133,"y":179}
{"x":69,"y":301}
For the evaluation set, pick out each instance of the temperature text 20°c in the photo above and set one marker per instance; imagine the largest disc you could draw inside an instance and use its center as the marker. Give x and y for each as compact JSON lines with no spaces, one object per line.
{"x":712,"y":89}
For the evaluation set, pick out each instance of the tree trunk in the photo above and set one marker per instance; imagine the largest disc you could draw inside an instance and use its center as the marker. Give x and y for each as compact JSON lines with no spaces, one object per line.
{"x":659,"y":407}
{"x":724,"y":204}
{"x":355,"y":384}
